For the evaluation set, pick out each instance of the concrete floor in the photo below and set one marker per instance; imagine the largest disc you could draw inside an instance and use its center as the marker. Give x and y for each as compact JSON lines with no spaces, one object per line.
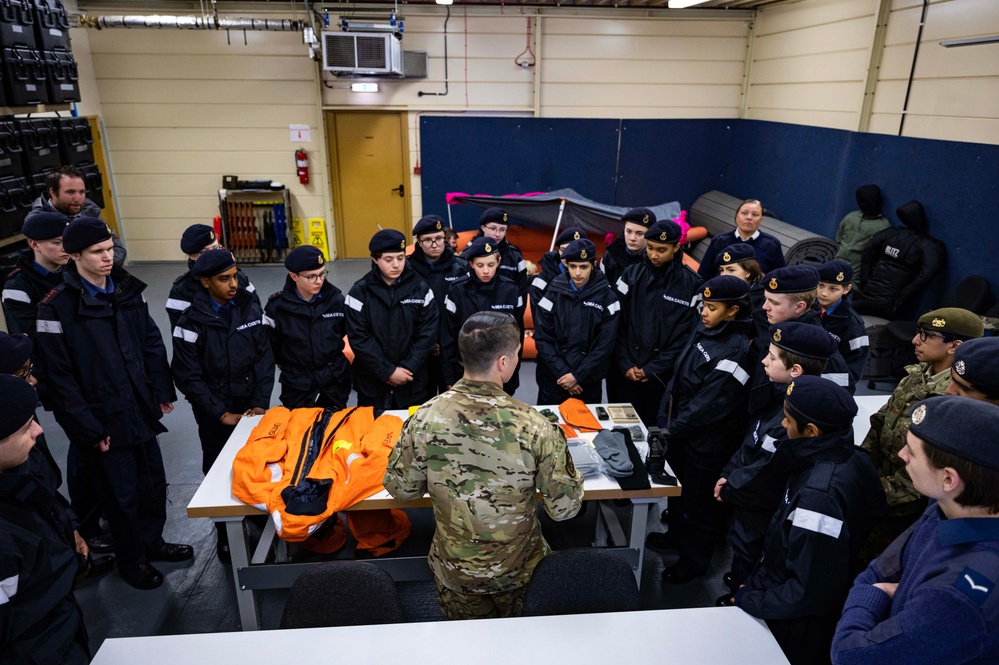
{"x":198,"y":595}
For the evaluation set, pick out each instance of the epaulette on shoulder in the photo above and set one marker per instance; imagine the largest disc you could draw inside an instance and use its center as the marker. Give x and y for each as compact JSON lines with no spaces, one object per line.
{"x":50,"y":296}
{"x":181,"y":278}
{"x":273,"y":295}
{"x":15,"y":271}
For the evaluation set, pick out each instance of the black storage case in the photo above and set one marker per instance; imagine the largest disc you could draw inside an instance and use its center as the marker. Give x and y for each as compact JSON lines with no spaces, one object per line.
{"x":63,"y":79}
{"x":76,"y":141}
{"x":51,"y":26}
{"x":24,"y":77}
{"x":15,"y":202}
{"x":95,"y":186}
{"x":17,"y":23}
{"x":40,"y":140}
{"x":37,"y":184}
{"x":10,"y":149}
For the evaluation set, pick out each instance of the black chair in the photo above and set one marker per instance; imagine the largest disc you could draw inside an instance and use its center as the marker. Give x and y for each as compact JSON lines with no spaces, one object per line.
{"x":581,"y":581}
{"x":342,"y":593}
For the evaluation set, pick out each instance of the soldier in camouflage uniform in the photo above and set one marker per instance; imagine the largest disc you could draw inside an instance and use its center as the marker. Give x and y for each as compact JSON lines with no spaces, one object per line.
{"x":940,"y":333}
{"x":484,"y":456}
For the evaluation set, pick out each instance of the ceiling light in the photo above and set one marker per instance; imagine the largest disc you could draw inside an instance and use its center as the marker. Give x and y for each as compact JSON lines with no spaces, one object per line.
{"x":680,"y":4}
{"x":444,"y":2}
{"x":971,"y":41}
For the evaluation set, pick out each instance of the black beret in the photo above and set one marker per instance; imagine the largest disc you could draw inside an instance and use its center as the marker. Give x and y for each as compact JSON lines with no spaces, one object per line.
{"x":836,"y":271}
{"x":494,"y":215}
{"x":213,"y":262}
{"x":664,"y":231}
{"x":569,"y":234}
{"x":19,"y":403}
{"x":428,"y":224}
{"x":14,"y":352}
{"x":740,"y":251}
{"x":953,"y":321}
{"x":45,"y":226}
{"x":960,"y":426}
{"x":791,"y":279}
{"x":306,"y":257}
{"x":196,"y":237}
{"x":480,"y":247}
{"x":387,"y":240}
{"x":641,"y":216}
{"x":822,"y":402}
{"x":724,"y":288}
{"x":580,"y":250}
{"x":83,"y":232}
{"x":977,"y":362}
{"x":805,"y":339}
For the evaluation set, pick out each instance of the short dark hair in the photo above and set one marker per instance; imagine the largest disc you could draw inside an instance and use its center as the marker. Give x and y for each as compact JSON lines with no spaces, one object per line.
{"x":485,"y":337}
{"x":809,"y":366}
{"x":54,"y":177}
{"x":981,"y":484}
{"x":378,"y":255}
{"x":449,"y":233}
{"x":752,"y":266}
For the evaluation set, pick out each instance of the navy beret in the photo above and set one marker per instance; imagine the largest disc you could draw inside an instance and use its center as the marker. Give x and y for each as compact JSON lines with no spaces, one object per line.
{"x":822,"y":402}
{"x":805,"y":339}
{"x":664,"y":231}
{"x":213,"y":262}
{"x":580,"y":250}
{"x":14,"y":352}
{"x":387,"y":240}
{"x":568,"y":235}
{"x":494,"y":215}
{"x":480,"y":247}
{"x":791,"y":279}
{"x":306,"y":257}
{"x":977,"y":362}
{"x":740,"y":251}
{"x":428,"y":224}
{"x":724,"y":288}
{"x":641,"y":216}
{"x":196,"y":237}
{"x":19,"y":403}
{"x":83,"y":232}
{"x":44,"y":226}
{"x":836,"y":271}
{"x":953,"y":321}
{"x":960,"y":426}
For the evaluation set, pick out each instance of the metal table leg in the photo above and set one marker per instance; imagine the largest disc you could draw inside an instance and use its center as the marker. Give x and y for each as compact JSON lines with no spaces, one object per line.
{"x":239,"y":550}
{"x":639,"y":524}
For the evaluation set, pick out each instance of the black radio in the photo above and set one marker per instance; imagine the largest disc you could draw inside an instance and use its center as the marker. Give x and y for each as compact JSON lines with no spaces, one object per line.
{"x":655,"y":461}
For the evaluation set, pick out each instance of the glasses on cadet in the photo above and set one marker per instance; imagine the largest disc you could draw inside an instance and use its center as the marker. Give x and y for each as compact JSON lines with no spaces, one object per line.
{"x":24,"y":374}
{"x":496,"y":229}
{"x":432,"y":241}
{"x":925,"y":335}
{"x":314,"y":279}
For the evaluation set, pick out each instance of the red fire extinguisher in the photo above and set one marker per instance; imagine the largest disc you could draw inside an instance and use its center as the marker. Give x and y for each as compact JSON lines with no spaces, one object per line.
{"x":302,"y":163}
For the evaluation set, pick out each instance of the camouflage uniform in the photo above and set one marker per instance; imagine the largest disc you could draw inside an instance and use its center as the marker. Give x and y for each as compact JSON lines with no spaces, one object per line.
{"x":484,"y":457}
{"x":889,"y":427}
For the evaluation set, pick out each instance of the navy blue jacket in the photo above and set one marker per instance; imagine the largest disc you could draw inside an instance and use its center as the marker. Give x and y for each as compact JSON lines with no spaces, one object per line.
{"x":512,"y":264}
{"x":186,"y":287}
{"x":847,"y":327}
{"x":617,"y":259}
{"x":550,"y":267}
{"x":223,"y":366}
{"x":439,"y":276}
{"x":23,"y":290}
{"x":832,"y":499}
{"x":705,"y":402}
{"x":307,"y":340}
{"x":388,"y":327}
{"x":658,"y":315}
{"x":574,"y":332}
{"x":104,"y":361}
{"x":769,"y":252}
{"x":945,"y":608}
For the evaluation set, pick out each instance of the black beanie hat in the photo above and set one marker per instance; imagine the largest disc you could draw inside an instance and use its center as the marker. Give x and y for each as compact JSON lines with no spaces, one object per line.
{"x":19,"y":403}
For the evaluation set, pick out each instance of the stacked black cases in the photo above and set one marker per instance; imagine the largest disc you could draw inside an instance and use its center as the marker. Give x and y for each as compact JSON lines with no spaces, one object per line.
{"x":51,"y":26}
{"x":15,"y":202}
{"x":17,"y":23}
{"x":24,"y":75}
{"x":95,"y":186}
{"x":62,"y":77}
{"x":40,"y":140}
{"x":76,"y":144}
{"x":10,"y":149}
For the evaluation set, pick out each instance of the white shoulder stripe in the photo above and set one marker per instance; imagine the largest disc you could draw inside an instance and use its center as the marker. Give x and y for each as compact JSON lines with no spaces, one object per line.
{"x":353,"y":303}
{"x":429,"y":299}
{"x":539,"y":283}
{"x":817,"y":522}
{"x":859,"y":342}
{"x":268,"y":321}
{"x":8,"y":589}
{"x":185,"y":334}
{"x":696,"y":299}
{"x":545,"y":304}
{"x":520,"y":301}
{"x":522,"y":266}
{"x":839,"y":378}
{"x":733,"y":368}
{"x":769,"y":444}
{"x":622,"y":286}
{"x":177,"y":304}
{"x":449,"y":305}
{"x":43,"y":326}
{"x":15,"y":294}
{"x":614,"y":307}
{"x":250,"y":288}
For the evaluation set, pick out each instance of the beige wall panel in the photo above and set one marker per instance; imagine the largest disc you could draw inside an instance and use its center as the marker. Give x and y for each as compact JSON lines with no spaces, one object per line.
{"x":152,"y":206}
{"x":831,"y":119}
{"x":156,"y":184}
{"x":897,"y":61}
{"x":890,"y":97}
{"x":615,"y":47}
{"x":645,"y":27}
{"x":844,"y":36}
{"x":221,"y":67}
{"x":935,"y":61}
{"x":198,"y":138}
{"x":90,"y":96}
{"x":903,"y":23}
{"x":159,"y":250}
{"x":152,"y":91}
{"x":972,"y":130}
{"x":481,"y":95}
{"x":596,"y":72}
{"x":798,"y":15}
{"x":956,"y":98}
{"x":221,"y":162}
{"x":837,"y":66}
{"x":158,"y":228}
{"x":637,"y":112}
{"x":953,"y":19}
{"x":572,"y":94}
{"x":195,"y":42}
{"x":195,"y":114}
{"x":885,"y":123}
{"x":843,"y":96}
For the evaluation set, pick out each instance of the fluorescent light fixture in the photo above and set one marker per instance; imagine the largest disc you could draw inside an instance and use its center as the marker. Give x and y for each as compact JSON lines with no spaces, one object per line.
{"x":444,"y":2}
{"x":681,"y":4}
{"x":971,"y":41}
{"x":364,"y":87}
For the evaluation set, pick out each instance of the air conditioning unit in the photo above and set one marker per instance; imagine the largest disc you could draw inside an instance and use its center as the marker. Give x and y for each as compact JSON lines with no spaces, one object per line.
{"x":362,"y":53}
